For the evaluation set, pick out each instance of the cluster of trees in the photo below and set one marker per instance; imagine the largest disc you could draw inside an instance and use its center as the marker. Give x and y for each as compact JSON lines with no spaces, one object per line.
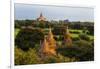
{"x":28,"y":38}
{"x":81,"y":25}
{"x":27,"y":42}
{"x":26,"y":57}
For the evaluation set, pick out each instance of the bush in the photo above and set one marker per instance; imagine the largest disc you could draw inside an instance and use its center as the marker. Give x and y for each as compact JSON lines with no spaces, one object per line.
{"x":59,"y":30}
{"x":50,"y":59}
{"x":87,"y":50}
{"x":84,"y":37}
{"x":91,"y":30}
{"x":75,"y":38}
{"x":23,"y":58}
{"x":19,"y":54}
{"x":81,"y":50}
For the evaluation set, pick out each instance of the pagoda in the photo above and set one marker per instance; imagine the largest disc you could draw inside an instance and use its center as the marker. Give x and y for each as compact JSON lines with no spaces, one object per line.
{"x":41,"y":18}
{"x":48,"y":46}
{"x":51,"y":42}
{"x":67,"y":38}
{"x":44,"y":50}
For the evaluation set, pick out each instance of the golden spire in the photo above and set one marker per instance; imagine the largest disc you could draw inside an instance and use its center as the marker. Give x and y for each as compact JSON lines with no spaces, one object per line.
{"x":67,"y":38}
{"x":51,"y":42}
{"x":50,"y":37}
{"x":44,"y":46}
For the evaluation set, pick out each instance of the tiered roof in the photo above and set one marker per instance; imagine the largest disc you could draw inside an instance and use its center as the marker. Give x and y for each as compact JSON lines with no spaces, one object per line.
{"x":41,"y":18}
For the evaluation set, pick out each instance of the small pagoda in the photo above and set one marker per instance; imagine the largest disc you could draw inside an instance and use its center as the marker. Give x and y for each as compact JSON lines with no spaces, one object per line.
{"x":51,"y":42}
{"x":44,"y":50}
{"x":67,"y":38}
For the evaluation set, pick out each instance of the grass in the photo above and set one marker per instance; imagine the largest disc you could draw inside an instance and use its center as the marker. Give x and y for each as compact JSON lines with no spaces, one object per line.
{"x":74,"y":35}
{"x":91,"y":37}
{"x":72,"y":30}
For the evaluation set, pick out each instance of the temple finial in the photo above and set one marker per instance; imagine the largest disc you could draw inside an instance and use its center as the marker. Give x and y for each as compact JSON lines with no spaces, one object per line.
{"x":41,"y":14}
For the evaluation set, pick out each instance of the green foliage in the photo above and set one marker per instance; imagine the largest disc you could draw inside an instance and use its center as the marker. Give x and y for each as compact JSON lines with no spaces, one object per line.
{"x":59,"y":30}
{"x":27,"y":41}
{"x":87,"y":49}
{"x":75,"y":32}
{"x":19,"y":54}
{"x":91,"y":30}
{"x":20,"y":23}
{"x":41,"y":25}
{"x":75,"y":38}
{"x":84,"y":37}
{"x":81,"y":50}
{"x":27,"y":38}
{"x":23,"y":58}
{"x":50,"y":59}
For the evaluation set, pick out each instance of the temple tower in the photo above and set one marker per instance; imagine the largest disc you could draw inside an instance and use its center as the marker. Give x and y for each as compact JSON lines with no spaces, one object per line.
{"x":44,"y":50}
{"x":41,"y":17}
{"x":67,"y":38}
{"x":48,"y":46}
{"x":51,"y":42}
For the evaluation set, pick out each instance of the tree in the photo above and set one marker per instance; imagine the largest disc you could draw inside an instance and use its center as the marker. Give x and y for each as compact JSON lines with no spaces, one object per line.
{"x":59,"y":30}
{"x":91,"y":30}
{"x":28,"y":38}
{"x":84,"y":37}
{"x":28,"y":57}
{"x":18,"y":56}
{"x":81,"y":50}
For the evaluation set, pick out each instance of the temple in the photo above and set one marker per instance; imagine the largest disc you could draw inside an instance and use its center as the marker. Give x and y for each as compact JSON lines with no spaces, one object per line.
{"x":67,"y":38}
{"x":48,"y":46}
{"x":41,"y":17}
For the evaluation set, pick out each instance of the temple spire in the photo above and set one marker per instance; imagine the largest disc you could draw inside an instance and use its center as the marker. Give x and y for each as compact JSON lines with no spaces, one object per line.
{"x":67,"y":38}
{"x":51,"y":42}
{"x":44,"y":47}
{"x":41,"y":14}
{"x":41,"y":17}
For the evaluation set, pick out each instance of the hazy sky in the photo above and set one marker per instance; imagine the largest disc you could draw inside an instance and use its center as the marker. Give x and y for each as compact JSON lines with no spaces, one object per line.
{"x":26,"y":11}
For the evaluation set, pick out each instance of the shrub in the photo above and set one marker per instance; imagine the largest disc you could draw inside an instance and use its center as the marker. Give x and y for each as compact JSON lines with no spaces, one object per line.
{"x":31,"y":57}
{"x":81,"y":50}
{"x":23,"y":58}
{"x":84,"y":37}
{"x":19,"y":54}
{"x":59,"y":30}
{"x":75,"y":38}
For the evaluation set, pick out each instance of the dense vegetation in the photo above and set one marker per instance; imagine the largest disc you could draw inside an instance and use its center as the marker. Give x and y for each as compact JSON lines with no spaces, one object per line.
{"x":29,"y":33}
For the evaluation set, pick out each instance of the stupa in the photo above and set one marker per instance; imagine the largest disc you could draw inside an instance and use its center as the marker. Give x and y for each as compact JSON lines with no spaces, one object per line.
{"x":67,"y":38}
{"x":51,"y":42}
{"x":48,"y":46}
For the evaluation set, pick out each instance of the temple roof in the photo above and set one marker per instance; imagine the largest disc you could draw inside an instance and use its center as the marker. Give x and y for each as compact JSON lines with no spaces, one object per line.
{"x":41,"y":17}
